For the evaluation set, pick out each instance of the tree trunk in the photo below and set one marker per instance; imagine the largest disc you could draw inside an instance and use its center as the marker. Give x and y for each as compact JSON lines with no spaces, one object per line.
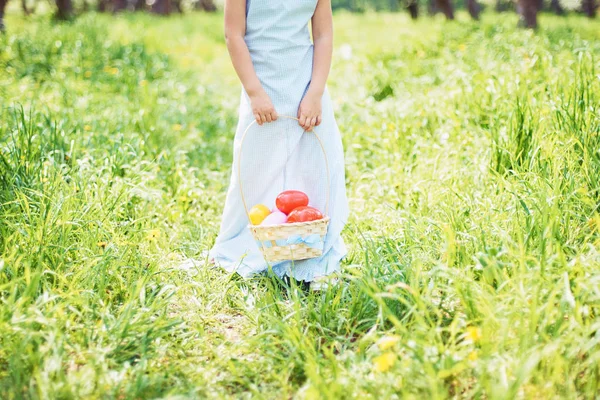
{"x":205,"y":5}
{"x":102,"y":6}
{"x":26,"y":9}
{"x":119,"y":5}
{"x":589,"y":8}
{"x":556,"y":7}
{"x":431,"y":7}
{"x":139,"y":5}
{"x":474,"y":9}
{"x":2,"y":6}
{"x":64,"y":9}
{"x":413,"y":8}
{"x":446,"y":7}
{"x":177,"y":6}
{"x":528,"y":11}
{"x":161,"y":7}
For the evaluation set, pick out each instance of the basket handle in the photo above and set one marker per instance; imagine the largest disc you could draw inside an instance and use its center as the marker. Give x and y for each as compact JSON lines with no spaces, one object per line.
{"x":239,"y":168}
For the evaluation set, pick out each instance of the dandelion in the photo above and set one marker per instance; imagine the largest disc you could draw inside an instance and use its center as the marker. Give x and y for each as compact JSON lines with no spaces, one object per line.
{"x":384,"y":362}
{"x":153,"y":235}
{"x":462,"y":48}
{"x":472,"y":356}
{"x":387,"y":342}
{"x":87,"y":74}
{"x":143,"y":82}
{"x":114,"y":71}
{"x":87,"y":128}
{"x":102,"y":245}
{"x":177,"y":127}
{"x":473,"y":333}
{"x":346,"y":51}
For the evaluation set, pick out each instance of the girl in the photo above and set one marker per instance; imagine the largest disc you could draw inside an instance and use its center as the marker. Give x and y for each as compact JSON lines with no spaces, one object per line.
{"x":283,"y":74}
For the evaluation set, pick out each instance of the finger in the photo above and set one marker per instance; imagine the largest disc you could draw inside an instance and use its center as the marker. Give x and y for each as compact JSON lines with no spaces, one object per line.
{"x":306,"y":124}
{"x":301,"y":121}
{"x":263,"y":117}
{"x":257,"y":117}
{"x":313,"y":122}
{"x":318,"y":120}
{"x":274,"y":115}
{"x":268,"y":117}
{"x":309,"y":124}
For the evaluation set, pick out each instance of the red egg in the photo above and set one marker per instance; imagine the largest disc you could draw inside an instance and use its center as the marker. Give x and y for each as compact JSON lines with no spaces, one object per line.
{"x":304,"y":214}
{"x":290,"y":200}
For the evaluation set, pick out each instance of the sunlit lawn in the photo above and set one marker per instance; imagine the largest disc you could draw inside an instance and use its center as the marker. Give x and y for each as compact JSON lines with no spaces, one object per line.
{"x":473,"y":173}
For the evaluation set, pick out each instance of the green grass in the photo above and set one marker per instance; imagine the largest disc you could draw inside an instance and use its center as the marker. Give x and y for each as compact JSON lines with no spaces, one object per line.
{"x":474,"y":179}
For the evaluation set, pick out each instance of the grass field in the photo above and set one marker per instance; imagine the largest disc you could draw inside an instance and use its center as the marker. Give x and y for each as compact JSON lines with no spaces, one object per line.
{"x":473,"y":171}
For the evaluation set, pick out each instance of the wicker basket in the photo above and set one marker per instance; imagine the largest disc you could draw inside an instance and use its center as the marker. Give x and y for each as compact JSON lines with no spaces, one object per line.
{"x":290,"y":241}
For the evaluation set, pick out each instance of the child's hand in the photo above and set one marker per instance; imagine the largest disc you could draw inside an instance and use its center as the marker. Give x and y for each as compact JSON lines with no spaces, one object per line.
{"x":262,"y":108}
{"x":309,"y":112}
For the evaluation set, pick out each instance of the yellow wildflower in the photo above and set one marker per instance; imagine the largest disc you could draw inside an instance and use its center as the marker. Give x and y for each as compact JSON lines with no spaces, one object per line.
{"x":102,"y":245}
{"x":387,"y":342}
{"x":473,"y":333}
{"x":153,"y":234}
{"x":177,"y":127}
{"x":384,"y":362}
{"x":472,"y":356}
{"x":87,"y":74}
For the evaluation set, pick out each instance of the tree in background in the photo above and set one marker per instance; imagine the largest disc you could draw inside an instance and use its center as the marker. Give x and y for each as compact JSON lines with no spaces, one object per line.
{"x":528,"y":10}
{"x":64,"y":9}
{"x":589,"y":8}
{"x":118,"y":5}
{"x":413,"y":8}
{"x":205,"y":5}
{"x":26,"y":9}
{"x":556,"y":7}
{"x":161,"y":7}
{"x":474,"y":9}
{"x":2,"y":7}
{"x":445,"y":6}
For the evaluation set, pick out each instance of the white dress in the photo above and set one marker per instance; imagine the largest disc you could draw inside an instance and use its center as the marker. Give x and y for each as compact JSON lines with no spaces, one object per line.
{"x":280,"y":155}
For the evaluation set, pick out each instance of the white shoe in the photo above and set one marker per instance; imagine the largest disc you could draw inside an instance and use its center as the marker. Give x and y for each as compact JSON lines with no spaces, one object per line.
{"x":322,"y":283}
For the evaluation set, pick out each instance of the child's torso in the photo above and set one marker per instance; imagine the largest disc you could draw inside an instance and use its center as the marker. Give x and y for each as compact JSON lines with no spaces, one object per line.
{"x":278,"y":24}
{"x":278,"y":38}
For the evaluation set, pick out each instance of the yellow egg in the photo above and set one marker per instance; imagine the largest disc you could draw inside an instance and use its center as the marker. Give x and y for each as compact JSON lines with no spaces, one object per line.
{"x":258,"y":214}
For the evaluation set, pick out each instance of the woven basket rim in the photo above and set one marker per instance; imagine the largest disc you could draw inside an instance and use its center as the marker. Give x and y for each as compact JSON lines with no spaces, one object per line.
{"x":291,"y":224}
